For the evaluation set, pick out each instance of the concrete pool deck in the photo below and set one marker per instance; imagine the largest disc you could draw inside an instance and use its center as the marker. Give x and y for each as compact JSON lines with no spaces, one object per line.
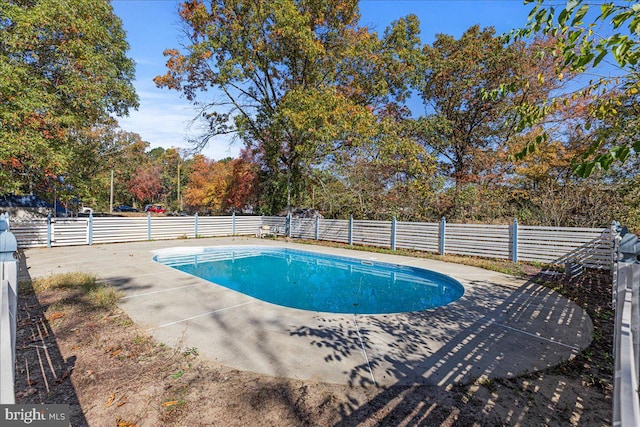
{"x":501,"y":327}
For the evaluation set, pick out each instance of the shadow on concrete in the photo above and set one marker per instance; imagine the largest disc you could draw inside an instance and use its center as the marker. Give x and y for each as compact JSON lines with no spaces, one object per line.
{"x":43,"y":375}
{"x":426,"y":355}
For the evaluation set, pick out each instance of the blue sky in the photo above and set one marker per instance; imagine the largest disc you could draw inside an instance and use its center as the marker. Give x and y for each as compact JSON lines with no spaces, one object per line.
{"x":153,"y":25}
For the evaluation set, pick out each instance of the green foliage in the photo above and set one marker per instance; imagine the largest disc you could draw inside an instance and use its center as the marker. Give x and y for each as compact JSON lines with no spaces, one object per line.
{"x":465,"y":120}
{"x":614,"y":33}
{"x":63,"y":68}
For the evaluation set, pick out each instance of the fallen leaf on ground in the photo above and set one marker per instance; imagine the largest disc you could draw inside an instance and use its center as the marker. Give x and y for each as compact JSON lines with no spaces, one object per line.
{"x":110,"y":401}
{"x":55,"y":315}
{"x":170,"y":403}
{"x":122,"y":401}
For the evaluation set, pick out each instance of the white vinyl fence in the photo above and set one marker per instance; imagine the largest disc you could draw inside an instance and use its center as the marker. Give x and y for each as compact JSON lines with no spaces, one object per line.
{"x":626,"y":342}
{"x":589,"y":247}
{"x":8,"y":311}
{"x":90,"y":230}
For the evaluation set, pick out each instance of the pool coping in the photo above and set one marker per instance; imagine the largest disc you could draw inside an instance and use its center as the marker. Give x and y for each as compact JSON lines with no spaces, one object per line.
{"x":501,"y":327}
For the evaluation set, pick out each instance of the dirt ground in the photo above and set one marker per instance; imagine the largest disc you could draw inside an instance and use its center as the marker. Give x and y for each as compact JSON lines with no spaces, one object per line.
{"x":112,"y":373}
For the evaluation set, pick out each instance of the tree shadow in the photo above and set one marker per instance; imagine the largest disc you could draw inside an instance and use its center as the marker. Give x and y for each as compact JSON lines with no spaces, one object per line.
{"x":43,"y":375}
{"x":428,"y":361}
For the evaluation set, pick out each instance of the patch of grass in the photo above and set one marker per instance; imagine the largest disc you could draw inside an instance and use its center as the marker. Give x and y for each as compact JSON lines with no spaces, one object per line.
{"x":64,"y":281}
{"x":97,"y":295}
{"x":104,"y":296}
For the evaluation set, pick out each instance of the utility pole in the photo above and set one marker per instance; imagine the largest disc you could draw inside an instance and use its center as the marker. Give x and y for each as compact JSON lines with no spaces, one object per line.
{"x":111,"y":194}
{"x":179,"y":197}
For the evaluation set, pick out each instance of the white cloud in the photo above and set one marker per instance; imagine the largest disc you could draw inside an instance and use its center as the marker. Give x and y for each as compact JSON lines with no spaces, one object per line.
{"x":163,"y":120}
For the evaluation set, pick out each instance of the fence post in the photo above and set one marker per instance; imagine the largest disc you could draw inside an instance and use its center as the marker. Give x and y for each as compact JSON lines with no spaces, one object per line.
{"x":514,"y":241}
{"x":8,"y":311}
{"x":317,"y":227}
{"x":393,"y":233}
{"x":148,"y":225}
{"x":90,"y":224}
{"x":351,"y":229}
{"x":289,"y":225}
{"x":443,"y":226}
{"x":195,"y":227}
{"x":233,"y":223}
{"x":615,"y":243}
{"x":49,"y":230}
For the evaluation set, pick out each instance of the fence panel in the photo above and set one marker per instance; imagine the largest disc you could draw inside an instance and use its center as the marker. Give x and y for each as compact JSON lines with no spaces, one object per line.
{"x":303,"y":228}
{"x":372,"y":233}
{"x":167,"y":227}
{"x":69,"y":232}
{"x":215,"y":226}
{"x":277,"y":223}
{"x":31,"y":233}
{"x":116,"y":229}
{"x":490,"y":241}
{"x":247,"y":225}
{"x":334,"y":230}
{"x":419,"y":236}
{"x":590,"y":247}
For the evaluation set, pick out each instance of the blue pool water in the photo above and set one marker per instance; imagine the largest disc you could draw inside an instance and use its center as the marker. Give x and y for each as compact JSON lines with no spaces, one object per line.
{"x":318,"y":282}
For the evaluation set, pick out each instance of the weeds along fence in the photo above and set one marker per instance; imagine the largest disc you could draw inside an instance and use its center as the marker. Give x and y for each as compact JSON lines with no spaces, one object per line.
{"x":588,"y":247}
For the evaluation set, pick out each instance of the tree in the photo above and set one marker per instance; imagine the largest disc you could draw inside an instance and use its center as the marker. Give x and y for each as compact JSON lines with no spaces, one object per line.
{"x":173,"y":173}
{"x":100,"y":149}
{"x":207,"y":185}
{"x":464,"y":127}
{"x":146,"y":184}
{"x":243,"y":183}
{"x":583,"y":44}
{"x":298,"y":80}
{"x":63,"y":68}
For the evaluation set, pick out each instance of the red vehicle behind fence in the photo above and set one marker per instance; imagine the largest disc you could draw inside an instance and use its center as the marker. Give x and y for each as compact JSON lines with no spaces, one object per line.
{"x":155,"y":209}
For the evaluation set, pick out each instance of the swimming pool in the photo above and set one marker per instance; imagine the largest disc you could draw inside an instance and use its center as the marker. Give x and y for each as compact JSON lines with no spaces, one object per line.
{"x":316,"y":282}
